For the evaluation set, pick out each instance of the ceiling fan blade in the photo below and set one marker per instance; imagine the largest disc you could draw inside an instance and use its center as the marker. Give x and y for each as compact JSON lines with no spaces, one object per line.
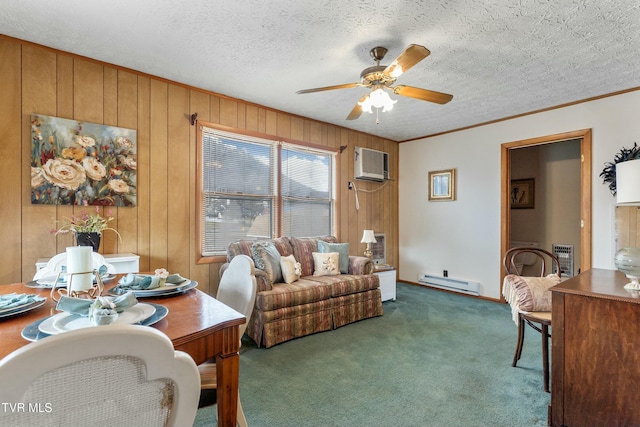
{"x":321,"y":89}
{"x":407,"y":59}
{"x":422,"y":94}
{"x":357,"y":110}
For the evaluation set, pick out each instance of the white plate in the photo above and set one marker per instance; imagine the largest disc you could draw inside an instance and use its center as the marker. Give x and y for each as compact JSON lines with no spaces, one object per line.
{"x":63,"y":322}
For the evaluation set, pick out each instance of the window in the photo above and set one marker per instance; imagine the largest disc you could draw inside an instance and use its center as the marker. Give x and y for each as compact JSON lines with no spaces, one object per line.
{"x":255,"y":188}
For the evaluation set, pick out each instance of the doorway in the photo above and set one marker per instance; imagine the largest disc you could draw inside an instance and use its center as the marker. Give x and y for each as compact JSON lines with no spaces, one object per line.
{"x":584,"y":140}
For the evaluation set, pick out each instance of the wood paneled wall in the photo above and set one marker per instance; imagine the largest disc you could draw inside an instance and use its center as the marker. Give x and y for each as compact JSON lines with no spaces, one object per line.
{"x":161,"y":228}
{"x":627,"y":230}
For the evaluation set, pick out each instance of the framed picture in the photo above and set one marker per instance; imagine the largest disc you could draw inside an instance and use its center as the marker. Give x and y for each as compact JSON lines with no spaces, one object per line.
{"x":81,"y":163}
{"x":442,"y":185}
{"x":522,"y":193}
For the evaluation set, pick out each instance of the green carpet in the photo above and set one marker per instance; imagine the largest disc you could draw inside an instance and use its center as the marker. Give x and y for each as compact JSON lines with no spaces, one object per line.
{"x":433,"y":359}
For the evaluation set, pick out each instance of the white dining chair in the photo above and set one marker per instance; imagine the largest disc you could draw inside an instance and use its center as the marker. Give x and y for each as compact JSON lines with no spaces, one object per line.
{"x":119,"y":375}
{"x":237,"y":289}
{"x":55,"y":263}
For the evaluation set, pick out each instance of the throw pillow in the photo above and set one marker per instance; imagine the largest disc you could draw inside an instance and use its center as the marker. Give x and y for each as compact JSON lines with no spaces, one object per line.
{"x":302,"y":248}
{"x":341,"y":248}
{"x":326,"y":264}
{"x":267,"y":258}
{"x":290,"y":268}
{"x":532,"y":293}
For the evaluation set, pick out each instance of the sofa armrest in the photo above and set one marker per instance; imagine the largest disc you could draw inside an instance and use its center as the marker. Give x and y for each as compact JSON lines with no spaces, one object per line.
{"x":262,"y":279}
{"x":360,"y":265}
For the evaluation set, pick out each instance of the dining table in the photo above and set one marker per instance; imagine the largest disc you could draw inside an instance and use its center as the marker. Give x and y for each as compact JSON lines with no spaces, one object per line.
{"x":196,"y":323}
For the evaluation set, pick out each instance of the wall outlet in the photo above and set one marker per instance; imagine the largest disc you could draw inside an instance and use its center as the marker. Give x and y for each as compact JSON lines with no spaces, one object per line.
{"x":445,"y":273}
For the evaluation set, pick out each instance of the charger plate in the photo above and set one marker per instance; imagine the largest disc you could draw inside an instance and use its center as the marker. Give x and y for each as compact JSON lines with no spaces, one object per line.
{"x":32,"y":331}
{"x":64,"y":322}
{"x":22,"y":309}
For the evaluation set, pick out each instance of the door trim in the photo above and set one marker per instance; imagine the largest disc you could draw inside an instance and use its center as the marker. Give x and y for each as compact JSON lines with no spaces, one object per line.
{"x":585,"y":191}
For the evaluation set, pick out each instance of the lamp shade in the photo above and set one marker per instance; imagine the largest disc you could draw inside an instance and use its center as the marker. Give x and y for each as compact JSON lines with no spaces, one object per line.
{"x":628,"y":181}
{"x":378,"y":98}
{"x":368,"y":237}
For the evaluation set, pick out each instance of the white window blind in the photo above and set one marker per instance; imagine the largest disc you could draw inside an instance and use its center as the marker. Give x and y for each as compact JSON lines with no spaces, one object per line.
{"x":306,"y":181}
{"x":241,"y":185}
{"x":238,"y":192}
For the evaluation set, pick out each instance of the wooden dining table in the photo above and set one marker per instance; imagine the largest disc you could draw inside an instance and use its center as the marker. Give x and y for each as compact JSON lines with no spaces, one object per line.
{"x":196,"y":323}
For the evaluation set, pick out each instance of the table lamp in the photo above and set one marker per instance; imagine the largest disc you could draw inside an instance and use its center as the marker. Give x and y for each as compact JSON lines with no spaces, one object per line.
{"x":368,"y":237}
{"x":627,"y":260}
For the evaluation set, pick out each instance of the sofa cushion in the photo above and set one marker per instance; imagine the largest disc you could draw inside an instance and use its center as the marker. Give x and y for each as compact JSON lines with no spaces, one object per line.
{"x":346,"y":284}
{"x":241,"y":247}
{"x":341,"y":248}
{"x":283,"y":246}
{"x":290,"y":269}
{"x":302,"y":291}
{"x":326,"y":264}
{"x":303,"y":249}
{"x":267,"y":258}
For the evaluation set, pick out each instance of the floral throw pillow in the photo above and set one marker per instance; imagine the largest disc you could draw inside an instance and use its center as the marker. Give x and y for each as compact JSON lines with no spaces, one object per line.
{"x":341,"y":248}
{"x":326,"y":264}
{"x":291,"y":268}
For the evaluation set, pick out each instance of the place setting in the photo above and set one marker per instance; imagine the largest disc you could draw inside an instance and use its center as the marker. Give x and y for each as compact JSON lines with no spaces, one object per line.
{"x":15,"y":303}
{"x":153,"y":285}
{"x":81,"y":303}
{"x":77,"y":313}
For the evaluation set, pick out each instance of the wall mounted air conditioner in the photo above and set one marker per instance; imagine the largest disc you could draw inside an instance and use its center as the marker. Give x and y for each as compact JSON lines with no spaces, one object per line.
{"x":372,"y":165}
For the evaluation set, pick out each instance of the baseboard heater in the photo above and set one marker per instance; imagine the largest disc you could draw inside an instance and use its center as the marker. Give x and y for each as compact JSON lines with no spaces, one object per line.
{"x":449,"y":283}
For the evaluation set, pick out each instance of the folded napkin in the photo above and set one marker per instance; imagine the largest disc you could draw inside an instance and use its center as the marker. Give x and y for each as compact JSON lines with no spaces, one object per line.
{"x":144,"y":282}
{"x":81,"y":306}
{"x":17,"y":300}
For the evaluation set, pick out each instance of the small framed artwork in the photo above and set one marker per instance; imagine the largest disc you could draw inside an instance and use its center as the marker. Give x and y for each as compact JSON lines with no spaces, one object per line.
{"x":522,"y":193}
{"x":442,"y":185}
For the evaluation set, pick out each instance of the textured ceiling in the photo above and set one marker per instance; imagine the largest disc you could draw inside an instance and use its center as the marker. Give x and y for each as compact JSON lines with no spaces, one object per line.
{"x":499,"y":58}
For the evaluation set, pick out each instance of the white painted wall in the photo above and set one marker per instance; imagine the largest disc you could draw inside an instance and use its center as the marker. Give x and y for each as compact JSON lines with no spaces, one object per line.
{"x":463,"y":236}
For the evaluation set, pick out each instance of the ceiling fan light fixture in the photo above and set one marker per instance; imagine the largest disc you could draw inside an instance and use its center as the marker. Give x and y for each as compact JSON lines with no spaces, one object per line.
{"x":378,"y":99}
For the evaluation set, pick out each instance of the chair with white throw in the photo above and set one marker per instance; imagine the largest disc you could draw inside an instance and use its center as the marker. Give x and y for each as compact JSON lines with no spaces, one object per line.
{"x":55,"y":264}
{"x":237,"y":289}
{"x":117,"y":375}
{"x":530,"y":298}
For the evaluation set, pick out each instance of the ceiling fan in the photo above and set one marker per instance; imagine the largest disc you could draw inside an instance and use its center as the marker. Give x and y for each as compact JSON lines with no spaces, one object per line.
{"x":380,"y":77}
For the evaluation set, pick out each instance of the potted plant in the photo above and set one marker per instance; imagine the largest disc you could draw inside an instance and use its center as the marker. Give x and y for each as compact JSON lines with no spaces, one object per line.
{"x":87,"y":227}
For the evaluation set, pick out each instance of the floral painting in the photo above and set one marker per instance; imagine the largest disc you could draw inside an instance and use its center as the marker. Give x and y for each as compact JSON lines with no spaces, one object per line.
{"x":79,"y":163}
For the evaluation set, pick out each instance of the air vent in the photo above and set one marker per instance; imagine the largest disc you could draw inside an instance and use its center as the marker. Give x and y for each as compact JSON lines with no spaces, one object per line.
{"x":564,"y":253}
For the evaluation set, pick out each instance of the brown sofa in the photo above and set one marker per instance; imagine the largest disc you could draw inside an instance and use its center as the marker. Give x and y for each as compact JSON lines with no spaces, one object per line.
{"x":310,"y":304}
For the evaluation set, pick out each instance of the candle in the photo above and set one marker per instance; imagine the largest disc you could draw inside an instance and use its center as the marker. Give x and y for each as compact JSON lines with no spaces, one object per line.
{"x":79,"y":260}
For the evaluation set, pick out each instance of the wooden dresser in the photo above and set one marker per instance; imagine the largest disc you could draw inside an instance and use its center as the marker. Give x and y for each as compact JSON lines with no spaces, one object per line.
{"x":595,"y":351}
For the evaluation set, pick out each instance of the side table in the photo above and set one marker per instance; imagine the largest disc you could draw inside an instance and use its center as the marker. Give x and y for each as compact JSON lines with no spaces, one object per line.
{"x":387,"y":277}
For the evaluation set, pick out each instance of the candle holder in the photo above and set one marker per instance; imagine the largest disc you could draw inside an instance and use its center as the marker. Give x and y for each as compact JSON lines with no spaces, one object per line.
{"x":91,"y":293}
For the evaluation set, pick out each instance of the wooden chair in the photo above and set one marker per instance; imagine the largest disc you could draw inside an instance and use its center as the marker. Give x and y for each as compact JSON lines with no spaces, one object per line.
{"x":237,"y":289}
{"x":117,"y":375}
{"x":538,"y":320}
